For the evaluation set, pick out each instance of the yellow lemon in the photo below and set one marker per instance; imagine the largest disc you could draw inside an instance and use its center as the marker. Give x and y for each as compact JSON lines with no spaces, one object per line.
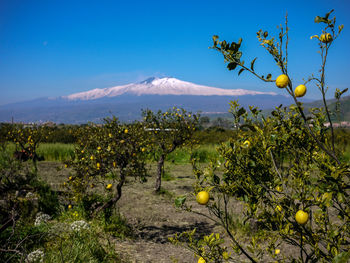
{"x":98,"y":165}
{"x":202,"y":197}
{"x":300,"y":91}
{"x":69,"y":206}
{"x":278,"y":188}
{"x":126,"y":131}
{"x":143,"y":149}
{"x":279,"y":208}
{"x":301,"y":217}
{"x":201,"y":260}
{"x":110,"y":135}
{"x":326,"y":38}
{"x":70,"y":178}
{"x":282,"y":81}
{"x":114,"y":164}
{"x":277,"y":251}
{"x":109,"y":186}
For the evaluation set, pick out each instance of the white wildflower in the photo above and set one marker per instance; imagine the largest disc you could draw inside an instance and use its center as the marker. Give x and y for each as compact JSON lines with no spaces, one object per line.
{"x":79,"y":225}
{"x":35,"y":256}
{"x":30,"y":195}
{"x":41,"y":218}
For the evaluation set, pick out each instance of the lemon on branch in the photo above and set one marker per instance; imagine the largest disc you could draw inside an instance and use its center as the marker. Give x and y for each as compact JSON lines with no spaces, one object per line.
{"x":202,"y":197}
{"x":301,"y":217}
{"x":300,"y":91}
{"x":282,"y":81}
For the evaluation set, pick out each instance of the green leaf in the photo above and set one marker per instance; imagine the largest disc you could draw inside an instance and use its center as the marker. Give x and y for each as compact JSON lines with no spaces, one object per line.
{"x":216,"y":179}
{"x":252,"y":64}
{"x":342,"y":257}
{"x":249,"y":126}
{"x":327,"y":15}
{"x":179,"y":201}
{"x":238,"y":55}
{"x":343,"y":91}
{"x":232,"y":65}
{"x":240,"y":71}
{"x":240,"y":112}
{"x":319,"y":19}
{"x":266,"y":34}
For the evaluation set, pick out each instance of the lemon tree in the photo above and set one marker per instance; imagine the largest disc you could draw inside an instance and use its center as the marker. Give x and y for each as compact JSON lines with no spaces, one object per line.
{"x":27,"y":140}
{"x":104,"y":156}
{"x":290,"y":178}
{"x":168,"y":131}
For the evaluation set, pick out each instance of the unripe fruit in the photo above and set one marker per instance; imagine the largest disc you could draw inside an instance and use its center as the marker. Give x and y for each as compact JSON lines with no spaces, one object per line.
{"x":282,"y":81}
{"x":301,"y":217}
{"x":300,"y":91}
{"x":202,"y":197}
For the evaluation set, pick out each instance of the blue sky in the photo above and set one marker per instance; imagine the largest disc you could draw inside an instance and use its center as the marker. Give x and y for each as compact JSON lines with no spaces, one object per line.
{"x":54,"y":48}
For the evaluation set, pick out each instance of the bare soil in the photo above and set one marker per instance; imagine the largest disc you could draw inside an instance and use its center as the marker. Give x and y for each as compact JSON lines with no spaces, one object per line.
{"x":153,"y":217}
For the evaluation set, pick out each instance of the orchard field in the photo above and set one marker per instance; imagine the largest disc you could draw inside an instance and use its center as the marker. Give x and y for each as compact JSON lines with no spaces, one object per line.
{"x":165,"y":189}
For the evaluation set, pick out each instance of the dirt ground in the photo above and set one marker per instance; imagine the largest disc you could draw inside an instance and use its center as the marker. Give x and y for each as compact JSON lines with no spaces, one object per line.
{"x":153,"y":217}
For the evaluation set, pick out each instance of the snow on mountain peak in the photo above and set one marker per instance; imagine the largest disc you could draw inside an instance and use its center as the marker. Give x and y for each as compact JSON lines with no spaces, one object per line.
{"x":161,"y":86}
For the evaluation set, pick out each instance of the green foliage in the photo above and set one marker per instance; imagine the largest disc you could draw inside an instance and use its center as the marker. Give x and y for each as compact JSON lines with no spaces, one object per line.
{"x":116,"y":225}
{"x":106,"y":155}
{"x":17,"y":241}
{"x":56,"y":151}
{"x":168,"y":131}
{"x":208,"y":247}
{"x":78,"y":241}
{"x":47,"y":198}
{"x":276,"y":166}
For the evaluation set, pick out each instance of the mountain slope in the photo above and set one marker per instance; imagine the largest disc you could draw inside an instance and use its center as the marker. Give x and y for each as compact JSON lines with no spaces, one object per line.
{"x":161,"y":86}
{"x":127,"y":101}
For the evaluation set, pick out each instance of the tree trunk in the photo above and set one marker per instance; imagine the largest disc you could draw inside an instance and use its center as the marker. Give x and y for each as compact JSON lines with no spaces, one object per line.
{"x":159,"y":172}
{"x":115,"y":199}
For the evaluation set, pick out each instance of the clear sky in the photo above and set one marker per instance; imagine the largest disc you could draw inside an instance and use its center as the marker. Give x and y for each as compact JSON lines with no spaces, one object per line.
{"x":53,"y":48}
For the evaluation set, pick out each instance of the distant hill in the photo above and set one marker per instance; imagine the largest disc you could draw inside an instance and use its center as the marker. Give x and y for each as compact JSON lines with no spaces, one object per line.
{"x":126,"y":102}
{"x":344,"y":108}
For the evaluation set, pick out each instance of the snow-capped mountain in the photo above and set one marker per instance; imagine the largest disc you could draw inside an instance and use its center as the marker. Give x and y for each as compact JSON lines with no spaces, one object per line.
{"x":127,"y":101}
{"x":161,"y":86}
